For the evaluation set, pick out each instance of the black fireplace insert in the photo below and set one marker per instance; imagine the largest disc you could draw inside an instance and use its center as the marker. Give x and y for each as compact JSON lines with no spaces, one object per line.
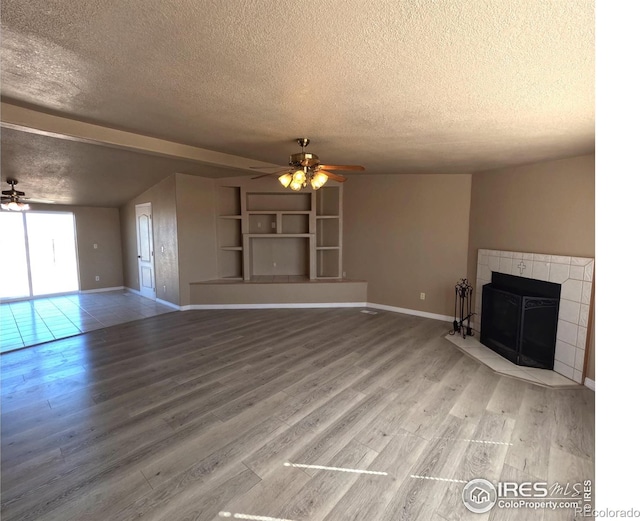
{"x":520,"y":319}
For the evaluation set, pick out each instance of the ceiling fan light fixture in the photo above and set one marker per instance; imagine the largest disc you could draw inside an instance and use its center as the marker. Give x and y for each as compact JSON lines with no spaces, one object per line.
{"x":305,"y":169}
{"x":285,"y":179}
{"x":15,"y":206}
{"x":11,"y":198}
{"x":318,"y":180}
{"x":300,"y":177}
{"x":296,"y":187}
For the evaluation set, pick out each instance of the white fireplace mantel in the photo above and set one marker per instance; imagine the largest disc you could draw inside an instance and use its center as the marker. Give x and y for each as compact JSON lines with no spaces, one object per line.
{"x":574,"y":274}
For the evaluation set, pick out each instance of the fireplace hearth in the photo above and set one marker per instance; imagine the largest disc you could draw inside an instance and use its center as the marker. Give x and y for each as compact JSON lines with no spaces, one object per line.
{"x":520,"y":319}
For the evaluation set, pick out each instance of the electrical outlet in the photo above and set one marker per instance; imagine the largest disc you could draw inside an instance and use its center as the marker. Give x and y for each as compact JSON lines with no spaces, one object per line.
{"x":97,"y":278}
{"x":422,"y":296}
{"x":273,"y":225}
{"x":344,"y":274}
{"x":164,"y":288}
{"x":95,"y":246}
{"x":259,"y":224}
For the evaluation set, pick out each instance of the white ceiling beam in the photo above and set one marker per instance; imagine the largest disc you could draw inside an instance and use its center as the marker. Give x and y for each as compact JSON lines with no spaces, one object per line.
{"x":33,"y":121}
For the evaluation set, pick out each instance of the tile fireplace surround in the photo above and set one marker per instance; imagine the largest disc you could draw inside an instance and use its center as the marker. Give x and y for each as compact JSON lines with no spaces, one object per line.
{"x":574,"y":274}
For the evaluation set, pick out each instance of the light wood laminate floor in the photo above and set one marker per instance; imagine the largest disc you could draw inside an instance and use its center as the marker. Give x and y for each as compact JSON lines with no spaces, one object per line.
{"x":207,"y":415}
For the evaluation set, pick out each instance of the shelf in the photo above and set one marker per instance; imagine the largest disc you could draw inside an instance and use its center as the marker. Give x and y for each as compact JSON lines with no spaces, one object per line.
{"x":228,"y":199}
{"x":230,"y":232}
{"x":230,"y":263}
{"x":306,"y":228}
{"x":328,"y":262}
{"x":328,"y":201}
{"x":263,"y":223}
{"x":277,"y":235}
{"x":328,"y":232}
{"x":289,"y":202}
{"x":283,"y":212}
{"x":294,"y":223}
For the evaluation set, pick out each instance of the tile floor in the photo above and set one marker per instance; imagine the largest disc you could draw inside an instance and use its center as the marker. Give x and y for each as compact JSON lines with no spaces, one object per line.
{"x":30,"y":322}
{"x":545,"y":377}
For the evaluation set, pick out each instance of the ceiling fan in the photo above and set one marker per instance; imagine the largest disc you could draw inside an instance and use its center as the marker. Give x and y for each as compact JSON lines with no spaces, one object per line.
{"x":305,"y":168}
{"x":13,"y":199}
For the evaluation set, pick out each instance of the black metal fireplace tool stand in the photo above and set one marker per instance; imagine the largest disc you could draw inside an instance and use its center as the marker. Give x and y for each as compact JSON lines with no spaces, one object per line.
{"x":464,"y":292}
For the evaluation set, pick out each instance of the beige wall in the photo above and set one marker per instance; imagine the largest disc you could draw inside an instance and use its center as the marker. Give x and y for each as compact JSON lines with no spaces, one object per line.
{"x":99,"y":226}
{"x":163,"y":207}
{"x":183,"y":216}
{"x":195,"y":203}
{"x":545,"y":207}
{"x":407,"y":234}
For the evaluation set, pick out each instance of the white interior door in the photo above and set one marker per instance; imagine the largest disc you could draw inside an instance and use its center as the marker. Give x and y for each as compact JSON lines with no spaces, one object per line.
{"x":146,"y":272}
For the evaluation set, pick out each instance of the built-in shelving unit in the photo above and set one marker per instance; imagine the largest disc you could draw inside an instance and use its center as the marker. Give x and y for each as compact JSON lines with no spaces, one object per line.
{"x":329,"y":232}
{"x":229,"y":225}
{"x":265,"y":231}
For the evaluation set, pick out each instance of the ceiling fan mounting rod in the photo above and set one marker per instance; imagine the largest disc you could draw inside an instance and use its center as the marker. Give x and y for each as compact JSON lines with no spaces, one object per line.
{"x":303,"y":141}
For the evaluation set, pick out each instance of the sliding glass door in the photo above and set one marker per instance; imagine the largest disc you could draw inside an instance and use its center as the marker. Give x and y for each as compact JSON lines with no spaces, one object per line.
{"x":14,"y":274}
{"x":41,"y":257}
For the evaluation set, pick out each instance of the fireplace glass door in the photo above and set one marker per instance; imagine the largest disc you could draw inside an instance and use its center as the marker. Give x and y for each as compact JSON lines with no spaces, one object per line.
{"x":500,"y":320}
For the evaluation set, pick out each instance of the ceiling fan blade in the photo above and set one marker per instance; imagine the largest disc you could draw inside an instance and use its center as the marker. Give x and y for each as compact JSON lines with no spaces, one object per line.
{"x":341,"y":167}
{"x":271,"y":174}
{"x":335,"y":177}
{"x":36,"y":200}
{"x":267,"y":167}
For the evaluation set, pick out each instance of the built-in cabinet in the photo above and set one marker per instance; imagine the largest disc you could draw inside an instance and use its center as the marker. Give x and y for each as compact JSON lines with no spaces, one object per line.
{"x":265,"y":232}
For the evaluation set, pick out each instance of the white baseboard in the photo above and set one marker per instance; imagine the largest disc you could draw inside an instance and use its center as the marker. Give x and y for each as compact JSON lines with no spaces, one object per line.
{"x":100,"y":290}
{"x":277,"y":306}
{"x":131,"y":290}
{"x":310,"y":305}
{"x":591,"y":384}
{"x":171,"y":304}
{"x":414,"y":312}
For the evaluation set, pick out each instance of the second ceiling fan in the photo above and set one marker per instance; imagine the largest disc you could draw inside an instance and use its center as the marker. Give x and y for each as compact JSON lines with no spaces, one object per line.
{"x":305,"y":168}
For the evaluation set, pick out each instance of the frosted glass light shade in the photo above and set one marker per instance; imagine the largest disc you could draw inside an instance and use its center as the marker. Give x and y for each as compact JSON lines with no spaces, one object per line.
{"x":318,"y":180}
{"x":14,"y":206}
{"x":285,"y":179}
{"x":300,"y":177}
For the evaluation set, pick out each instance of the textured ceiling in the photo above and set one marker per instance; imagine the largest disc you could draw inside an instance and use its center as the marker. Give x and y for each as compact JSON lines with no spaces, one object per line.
{"x":397,"y":86}
{"x":69,"y":172}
